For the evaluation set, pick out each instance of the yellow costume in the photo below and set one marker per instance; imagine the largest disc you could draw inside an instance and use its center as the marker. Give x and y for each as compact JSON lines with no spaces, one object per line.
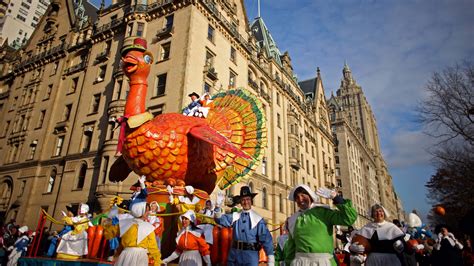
{"x":129,"y":240}
{"x":73,"y":244}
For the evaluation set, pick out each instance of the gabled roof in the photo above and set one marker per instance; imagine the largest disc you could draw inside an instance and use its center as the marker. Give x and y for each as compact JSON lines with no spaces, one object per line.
{"x":308,"y":86}
{"x":265,"y":40}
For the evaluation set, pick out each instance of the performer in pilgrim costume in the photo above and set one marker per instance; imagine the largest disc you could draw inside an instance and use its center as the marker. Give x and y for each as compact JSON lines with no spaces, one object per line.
{"x":207,"y":220}
{"x":249,"y":232}
{"x":385,"y":238}
{"x":137,"y":235}
{"x":73,"y":244}
{"x":20,"y":246}
{"x":191,"y":245}
{"x":310,"y":240}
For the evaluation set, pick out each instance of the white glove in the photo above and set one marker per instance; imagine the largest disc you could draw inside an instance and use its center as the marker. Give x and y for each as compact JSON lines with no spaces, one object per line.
{"x":170,"y":191}
{"x":142,"y":180}
{"x":398,"y":246}
{"x":64,"y":214}
{"x":357,"y":259}
{"x":420,"y":247}
{"x":207,"y":260}
{"x":220,"y":198}
{"x":171,"y":257}
{"x":326,"y":193}
{"x":271,"y":260}
{"x":357,"y":248}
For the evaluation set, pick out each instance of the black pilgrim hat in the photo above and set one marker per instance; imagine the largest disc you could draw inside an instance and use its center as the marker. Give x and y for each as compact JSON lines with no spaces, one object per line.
{"x":72,"y":208}
{"x":244,"y":192}
{"x":193,"y":94}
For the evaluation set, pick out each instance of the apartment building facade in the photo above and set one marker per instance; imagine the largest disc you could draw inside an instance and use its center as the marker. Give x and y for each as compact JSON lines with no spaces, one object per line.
{"x":63,"y":91}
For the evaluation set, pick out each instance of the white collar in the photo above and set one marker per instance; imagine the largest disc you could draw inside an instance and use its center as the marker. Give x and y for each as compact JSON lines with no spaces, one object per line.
{"x":196,"y":233}
{"x":385,"y":230}
{"x":186,"y":200}
{"x":254,"y":217}
{"x":144,"y":228}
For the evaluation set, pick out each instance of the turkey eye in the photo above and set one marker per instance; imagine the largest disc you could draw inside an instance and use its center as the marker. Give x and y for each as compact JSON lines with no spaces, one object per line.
{"x":147,"y":59}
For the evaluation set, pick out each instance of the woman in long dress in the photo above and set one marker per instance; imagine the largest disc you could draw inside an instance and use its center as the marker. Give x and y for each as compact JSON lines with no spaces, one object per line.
{"x":138,"y":239}
{"x":191,"y":245}
{"x":385,"y":238}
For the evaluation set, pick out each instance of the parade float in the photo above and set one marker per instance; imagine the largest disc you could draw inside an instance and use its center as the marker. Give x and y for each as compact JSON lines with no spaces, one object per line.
{"x":175,"y":151}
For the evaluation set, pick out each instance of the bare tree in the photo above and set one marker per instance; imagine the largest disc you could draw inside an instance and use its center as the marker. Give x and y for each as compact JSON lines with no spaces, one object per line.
{"x":448,"y":115}
{"x":448,"y":111}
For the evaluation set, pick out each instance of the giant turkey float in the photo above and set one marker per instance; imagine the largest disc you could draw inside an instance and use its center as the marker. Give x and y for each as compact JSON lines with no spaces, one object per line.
{"x":174,"y":152}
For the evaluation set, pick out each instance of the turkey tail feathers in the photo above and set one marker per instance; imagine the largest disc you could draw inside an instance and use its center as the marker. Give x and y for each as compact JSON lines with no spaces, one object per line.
{"x":240,"y":116}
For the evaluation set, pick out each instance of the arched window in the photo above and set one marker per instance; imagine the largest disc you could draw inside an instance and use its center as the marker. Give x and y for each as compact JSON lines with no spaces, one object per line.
{"x":51,"y":180}
{"x":264,"y":198}
{"x":81,"y":178}
{"x":6,"y":189}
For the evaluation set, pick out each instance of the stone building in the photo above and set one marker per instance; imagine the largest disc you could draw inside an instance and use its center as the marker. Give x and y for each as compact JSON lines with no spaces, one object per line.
{"x":63,"y":91}
{"x":361,"y":171}
{"x":18,"y":19}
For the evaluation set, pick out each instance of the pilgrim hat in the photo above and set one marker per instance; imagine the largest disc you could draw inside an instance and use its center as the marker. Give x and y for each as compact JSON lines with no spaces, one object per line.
{"x":244,"y":192}
{"x":193,"y":94}
{"x":138,"y":44}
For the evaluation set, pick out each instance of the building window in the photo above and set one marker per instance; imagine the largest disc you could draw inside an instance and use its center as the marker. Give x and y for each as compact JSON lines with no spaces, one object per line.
{"x":101,"y":74}
{"x":264,"y":166}
{"x":339,"y":183}
{"x":307,"y":167}
{"x":22,"y":188}
{"x":20,"y":17}
{"x":105,"y":168}
{"x":157,"y":110}
{"x":210,"y":33}
{"x":233,"y":54}
{"x":95,"y":103}
{"x":59,"y":146}
{"x":118,"y":89}
{"x":278,"y":121}
{"x":87,"y":138}
{"x":129,"y":29}
{"x":140,"y":28}
{"x":232,"y":79}
{"x":280,"y":172}
{"x":169,"y":22}
{"x":81,"y":178}
{"x":160,"y":84}
{"x":41,"y":118}
{"x":209,"y":58}
{"x":5,"y":129}
{"x":207,"y":87}
{"x":264,"y":198}
{"x":338,"y":171}
{"x":67,"y":112}
{"x":74,"y":83}
{"x":51,"y":180}
{"x":165,"y":51}
{"x":278,"y":99}
{"x":48,"y":91}
{"x":55,"y":68}
{"x":279,"y":145}
{"x":337,"y":159}
{"x":32,"y":150}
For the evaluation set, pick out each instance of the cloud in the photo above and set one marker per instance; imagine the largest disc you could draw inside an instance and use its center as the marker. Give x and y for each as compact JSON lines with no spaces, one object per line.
{"x":407,"y":149}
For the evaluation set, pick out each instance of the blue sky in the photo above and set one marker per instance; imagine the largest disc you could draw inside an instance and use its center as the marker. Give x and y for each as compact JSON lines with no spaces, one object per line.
{"x":392,"y":48}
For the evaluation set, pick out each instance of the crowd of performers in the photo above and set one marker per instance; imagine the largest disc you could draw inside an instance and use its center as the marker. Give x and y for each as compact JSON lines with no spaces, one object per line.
{"x":306,"y":238}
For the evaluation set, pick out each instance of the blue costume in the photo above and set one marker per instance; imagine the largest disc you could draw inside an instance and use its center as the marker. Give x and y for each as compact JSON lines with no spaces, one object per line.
{"x":249,"y":233}
{"x":54,"y":240}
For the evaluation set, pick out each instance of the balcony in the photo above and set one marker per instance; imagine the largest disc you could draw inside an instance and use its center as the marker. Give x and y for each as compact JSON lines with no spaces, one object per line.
{"x":253,"y":84}
{"x":164,"y":33}
{"x":295,"y":163}
{"x":111,"y":25}
{"x":104,"y":56}
{"x":210,"y":72}
{"x":75,"y":68}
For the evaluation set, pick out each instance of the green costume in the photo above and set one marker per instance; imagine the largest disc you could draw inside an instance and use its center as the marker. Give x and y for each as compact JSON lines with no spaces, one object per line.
{"x":311,"y":231}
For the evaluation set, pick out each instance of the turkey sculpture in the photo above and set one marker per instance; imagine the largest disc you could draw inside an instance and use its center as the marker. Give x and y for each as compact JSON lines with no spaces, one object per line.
{"x":177,"y":150}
